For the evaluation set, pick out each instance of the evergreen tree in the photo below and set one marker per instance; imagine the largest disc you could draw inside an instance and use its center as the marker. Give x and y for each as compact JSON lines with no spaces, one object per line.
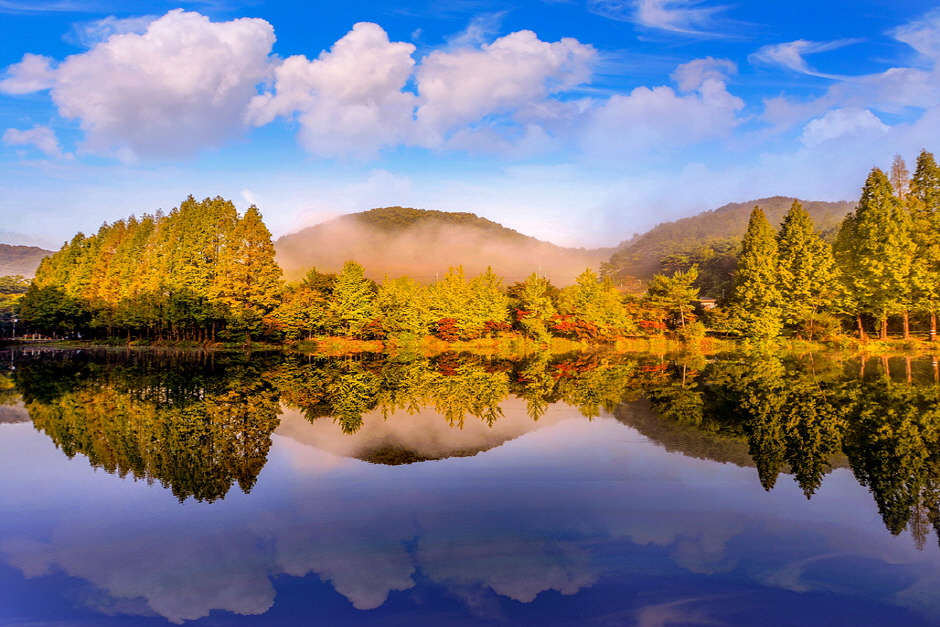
{"x":248,"y":282}
{"x":807,"y":271}
{"x":900,"y":177}
{"x":877,"y":251}
{"x":923,"y":202}
{"x":755,"y":303}
{"x":352,"y":305}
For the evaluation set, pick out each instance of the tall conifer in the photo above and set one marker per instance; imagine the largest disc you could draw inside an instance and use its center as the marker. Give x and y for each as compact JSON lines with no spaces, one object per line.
{"x":923,"y":202}
{"x":807,"y":270}
{"x":880,"y":249}
{"x":248,"y":281}
{"x":755,"y":303}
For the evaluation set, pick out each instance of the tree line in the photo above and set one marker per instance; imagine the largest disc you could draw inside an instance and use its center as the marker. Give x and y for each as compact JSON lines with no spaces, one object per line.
{"x":203,"y":273}
{"x":882,"y":264}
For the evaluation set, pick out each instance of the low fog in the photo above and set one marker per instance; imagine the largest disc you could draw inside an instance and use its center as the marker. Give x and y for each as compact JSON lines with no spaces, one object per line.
{"x":426,"y":251}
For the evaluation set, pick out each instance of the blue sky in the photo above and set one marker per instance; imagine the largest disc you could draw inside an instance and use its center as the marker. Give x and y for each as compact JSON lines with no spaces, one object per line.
{"x":578,"y":121}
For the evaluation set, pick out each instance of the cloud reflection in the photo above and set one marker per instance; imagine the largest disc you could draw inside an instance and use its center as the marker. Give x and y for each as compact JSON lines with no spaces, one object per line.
{"x":546,"y":511}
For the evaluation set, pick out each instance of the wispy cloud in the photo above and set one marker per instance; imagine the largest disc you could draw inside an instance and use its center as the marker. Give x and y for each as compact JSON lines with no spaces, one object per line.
{"x":89,"y":34}
{"x":680,"y":17}
{"x":791,"y":55}
{"x":482,"y":29}
{"x":41,"y":137}
{"x":48,"y":6}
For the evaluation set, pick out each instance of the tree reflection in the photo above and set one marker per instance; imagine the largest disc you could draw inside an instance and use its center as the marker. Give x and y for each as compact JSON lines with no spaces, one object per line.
{"x":199,"y":423}
{"x":194,"y":426}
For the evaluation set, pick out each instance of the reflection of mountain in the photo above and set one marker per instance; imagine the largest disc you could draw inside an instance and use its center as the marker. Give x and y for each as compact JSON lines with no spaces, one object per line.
{"x":424,"y":435}
{"x":681,"y":438}
{"x":200,"y":423}
{"x":13,"y":413}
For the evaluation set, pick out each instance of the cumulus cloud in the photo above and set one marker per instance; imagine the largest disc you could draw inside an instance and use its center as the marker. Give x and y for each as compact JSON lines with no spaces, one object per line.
{"x":684,"y":17}
{"x":659,"y":119}
{"x":515,"y":72}
{"x":840,"y":123}
{"x":41,"y":137}
{"x":180,"y":86}
{"x":33,"y":73}
{"x":349,"y":99}
{"x":354,"y":97}
{"x":791,"y":55}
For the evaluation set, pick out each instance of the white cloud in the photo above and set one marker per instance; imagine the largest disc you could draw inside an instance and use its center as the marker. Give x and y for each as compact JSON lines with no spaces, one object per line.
{"x":660,"y":119}
{"x":841,"y":123}
{"x":90,"y":34}
{"x":922,"y":35}
{"x":348,"y":100}
{"x":33,"y":73}
{"x":481,"y":29}
{"x":514,"y":73}
{"x":684,"y":17}
{"x":181,"y":86}
{"x":791,"y":55}
{"x":42,"y":137}
{"x":353,"y":99}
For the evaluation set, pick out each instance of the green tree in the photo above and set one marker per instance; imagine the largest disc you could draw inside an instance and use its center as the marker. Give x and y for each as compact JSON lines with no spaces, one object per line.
{"x":923,"y":202}
{"x":755,"y":303}
{"x":352,"y":305}
{"x":534,"y":308}
{"x":875,"y":251}
{"x":806,"y":272}
{"x":675,"y":294}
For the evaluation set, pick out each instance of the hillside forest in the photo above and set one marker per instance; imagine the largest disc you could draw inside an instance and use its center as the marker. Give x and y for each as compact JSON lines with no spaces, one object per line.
{"x":204,"y":273}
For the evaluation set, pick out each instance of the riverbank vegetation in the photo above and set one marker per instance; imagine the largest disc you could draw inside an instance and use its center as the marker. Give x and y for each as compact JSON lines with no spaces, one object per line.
{"x":203,"y":273}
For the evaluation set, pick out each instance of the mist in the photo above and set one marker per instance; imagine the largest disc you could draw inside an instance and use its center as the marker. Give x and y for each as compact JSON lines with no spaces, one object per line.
{"x":425,"y":251}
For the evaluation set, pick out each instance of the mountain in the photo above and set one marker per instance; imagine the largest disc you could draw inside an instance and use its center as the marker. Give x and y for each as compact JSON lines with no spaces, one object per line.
{"x":640,"y":256}
{"x":21,"y":260}
{"x":423,"y":244}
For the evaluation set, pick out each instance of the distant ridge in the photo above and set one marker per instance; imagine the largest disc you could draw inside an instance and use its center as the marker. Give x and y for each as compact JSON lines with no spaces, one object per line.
{"x":423,"y":244}
{"x":21,"y":260}
{"x":640,"y":256}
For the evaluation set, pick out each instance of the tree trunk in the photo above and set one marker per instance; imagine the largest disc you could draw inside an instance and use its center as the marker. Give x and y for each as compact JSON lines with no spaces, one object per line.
{"x":907,"y":325}
{"x":933,"y":327}
{"x":861,"y":327}
{"x":884,"y":328}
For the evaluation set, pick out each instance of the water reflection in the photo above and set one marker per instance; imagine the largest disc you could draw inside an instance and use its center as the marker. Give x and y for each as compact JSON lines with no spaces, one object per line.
{"x":575,"y":498}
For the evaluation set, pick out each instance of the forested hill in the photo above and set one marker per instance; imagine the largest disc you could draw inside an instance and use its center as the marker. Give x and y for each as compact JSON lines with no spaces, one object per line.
{"x":423,"y":244}
{"x":641,"y":256}
{"x":21,"y":260}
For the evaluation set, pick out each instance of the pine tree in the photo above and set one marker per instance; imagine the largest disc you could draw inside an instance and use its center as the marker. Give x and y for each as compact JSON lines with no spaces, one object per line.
{"x":755,"y":303}
{"x":923,"y":202}
{"x":807,"y":271}
{"x":248,"y":281}
{"x":352,"y":305}
{"x":876,"y":252}
{"x":900,"y":177}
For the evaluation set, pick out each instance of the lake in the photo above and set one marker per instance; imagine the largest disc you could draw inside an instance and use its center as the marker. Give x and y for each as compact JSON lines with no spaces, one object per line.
{"x":589,"y":489}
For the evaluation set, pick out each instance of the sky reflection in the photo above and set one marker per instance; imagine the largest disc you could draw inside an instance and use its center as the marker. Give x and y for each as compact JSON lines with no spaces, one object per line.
{"x":565,"y":517}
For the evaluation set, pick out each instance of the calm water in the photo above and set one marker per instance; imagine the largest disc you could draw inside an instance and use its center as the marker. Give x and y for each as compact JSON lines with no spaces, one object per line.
{"x":141,"y":488}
